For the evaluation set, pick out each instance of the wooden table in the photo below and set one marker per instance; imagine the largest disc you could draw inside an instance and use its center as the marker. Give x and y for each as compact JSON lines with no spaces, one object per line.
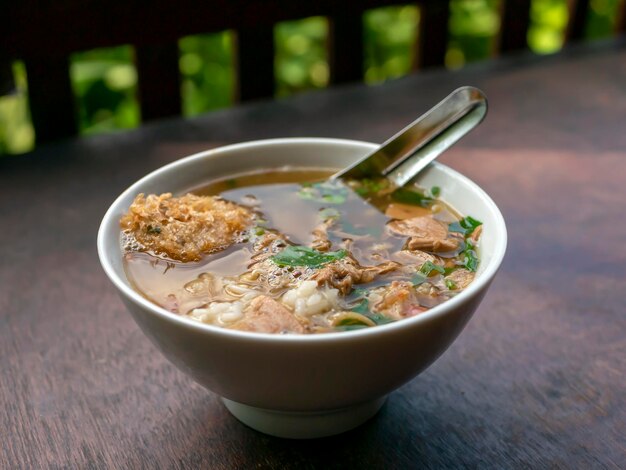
{"x":537,"y":379}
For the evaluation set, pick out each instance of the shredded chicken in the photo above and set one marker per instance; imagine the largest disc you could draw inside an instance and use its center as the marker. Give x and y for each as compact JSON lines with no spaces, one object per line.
{"x":425,"y":233}
{"x":266,"y":315}
{"x":184,"y":228}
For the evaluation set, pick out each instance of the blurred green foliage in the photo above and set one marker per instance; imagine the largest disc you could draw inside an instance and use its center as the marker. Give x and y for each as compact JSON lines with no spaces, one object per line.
{"x":548,"y":24}
{"x":301,"y":61}
{"x":474,"y":28}
{"x":207,"y":71}
{"x":16,"y":131}
{"x":602,"y":18}
{"x":105,"y":80}
{"x":105,"y":83}
{"x":389,"y":38}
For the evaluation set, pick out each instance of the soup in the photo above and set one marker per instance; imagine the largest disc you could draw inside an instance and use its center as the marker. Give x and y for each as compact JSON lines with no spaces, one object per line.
{"x":288,"y":251}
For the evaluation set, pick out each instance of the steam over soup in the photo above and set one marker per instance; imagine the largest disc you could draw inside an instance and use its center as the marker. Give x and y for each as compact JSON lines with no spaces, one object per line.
{"x":287,"y":251}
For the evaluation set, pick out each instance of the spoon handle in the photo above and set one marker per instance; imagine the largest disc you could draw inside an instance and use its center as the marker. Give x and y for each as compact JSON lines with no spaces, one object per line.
{"x":408,"y":152}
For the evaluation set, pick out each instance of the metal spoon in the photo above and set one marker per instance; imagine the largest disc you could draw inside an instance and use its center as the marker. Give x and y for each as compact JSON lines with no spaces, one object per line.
{"x":408,"y":152}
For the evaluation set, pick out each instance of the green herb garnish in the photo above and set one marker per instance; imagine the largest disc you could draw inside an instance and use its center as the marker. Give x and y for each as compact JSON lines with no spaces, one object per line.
{"x":428,"y":267}
{"x":470,"y":260}
{"x":450,"y":270}
{"x":408,"y":196}
{"x":331,"y":192}
{"x":305,"y":256}
{"x":450,"y":284}
{"x":465,"y":226}
{"x":435,"y":191}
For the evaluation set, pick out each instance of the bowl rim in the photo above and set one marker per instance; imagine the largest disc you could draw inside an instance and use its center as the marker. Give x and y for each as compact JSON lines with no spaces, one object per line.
{"x":442,"y":309}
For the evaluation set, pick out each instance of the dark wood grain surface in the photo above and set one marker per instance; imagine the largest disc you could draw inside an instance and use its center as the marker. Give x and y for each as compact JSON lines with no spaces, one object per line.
{"x":535,"y":381}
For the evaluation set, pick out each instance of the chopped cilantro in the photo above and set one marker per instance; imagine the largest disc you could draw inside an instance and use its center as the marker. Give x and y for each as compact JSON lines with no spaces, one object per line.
{"x":305,"y":256}
{"x":465,"y":226}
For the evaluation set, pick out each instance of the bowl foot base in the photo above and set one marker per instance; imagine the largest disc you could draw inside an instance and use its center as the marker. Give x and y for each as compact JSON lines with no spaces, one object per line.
{"x":304,"y":424}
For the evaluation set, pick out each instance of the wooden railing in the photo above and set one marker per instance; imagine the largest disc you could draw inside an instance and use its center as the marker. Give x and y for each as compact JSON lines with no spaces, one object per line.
{"x":44,"y":34}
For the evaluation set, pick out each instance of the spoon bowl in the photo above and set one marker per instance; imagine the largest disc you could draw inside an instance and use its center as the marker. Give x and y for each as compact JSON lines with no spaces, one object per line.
{"x":404,"y":155}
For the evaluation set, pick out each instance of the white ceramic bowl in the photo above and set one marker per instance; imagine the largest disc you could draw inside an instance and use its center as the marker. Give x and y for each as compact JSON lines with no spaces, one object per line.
{"x":314,"y":385}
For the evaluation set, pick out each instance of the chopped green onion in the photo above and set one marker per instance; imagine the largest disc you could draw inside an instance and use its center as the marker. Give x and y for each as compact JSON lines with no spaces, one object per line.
{"x":408,"y":196}
{"x":470,"y":260}
{"x":428,"y":267}
{"x":465,"y":226}
{"x":450,"y":284}
{"x":435,"y":191}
